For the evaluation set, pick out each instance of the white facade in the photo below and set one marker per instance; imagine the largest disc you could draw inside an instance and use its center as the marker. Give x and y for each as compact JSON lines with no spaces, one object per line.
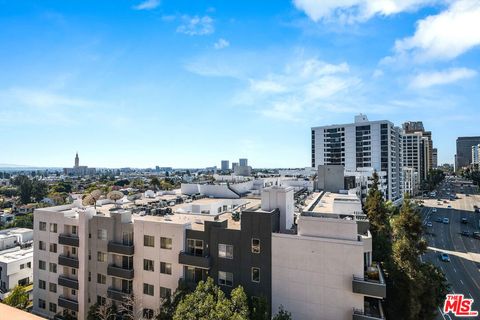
{"x":476,"y":154}
{"x":362,"y":144}
{"x":280,"y":198}
{"x":313,"y":270}
{"x":16,"y":267}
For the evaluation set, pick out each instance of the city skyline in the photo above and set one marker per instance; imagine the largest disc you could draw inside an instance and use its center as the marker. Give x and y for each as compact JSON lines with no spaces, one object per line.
{"x":145,"y":83}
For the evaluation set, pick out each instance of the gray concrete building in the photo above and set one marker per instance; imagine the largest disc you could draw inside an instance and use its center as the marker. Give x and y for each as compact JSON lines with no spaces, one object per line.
{"x":463,"y":157}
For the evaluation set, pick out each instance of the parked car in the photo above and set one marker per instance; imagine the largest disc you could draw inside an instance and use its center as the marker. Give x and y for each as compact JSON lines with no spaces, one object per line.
{"x":434,"y":210}
{"x":439,"y":219}
{"x":444,"y":257}
{"x":476,"y":235}
{"x":429,"y":224}
{"x":464,"y":220}
{"x":446,"y":220}
{"x":449,"y":206}
{"x":465,"y":233}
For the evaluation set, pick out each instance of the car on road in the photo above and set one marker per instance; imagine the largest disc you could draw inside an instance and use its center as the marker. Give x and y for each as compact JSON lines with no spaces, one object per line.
{"x":476,"y":235}
{"x":434,"y":210}
{"x":429,"y":224}
{"x":444,"y":257}
{"x":465,"y":233}
{"x":464,"y":220}
{"x":449,"y":206}
{"x":439,"y":219}
{"x":446,"y":220}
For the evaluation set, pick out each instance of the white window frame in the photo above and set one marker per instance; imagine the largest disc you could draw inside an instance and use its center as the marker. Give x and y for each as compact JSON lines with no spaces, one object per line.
{"x":223,"y":251}
{"x":223,"y":278}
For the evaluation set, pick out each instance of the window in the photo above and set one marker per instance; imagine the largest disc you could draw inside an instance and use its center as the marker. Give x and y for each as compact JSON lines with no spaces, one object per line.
{"x":74,"y":271}
{"x":42,"y":245}
{"x":195,"y":247}
{"x":42,"y":284}
{"x":148,"y":241}
{"x":42,"y":265}
{"x":42,"y":226}
{"x":148,"y":289}
{"x":255,"y":274}
{"x":165,"y":268}
{"x":255,"y":245}
{"x":165,"y":292}
{"x":147,"y":265}
{"x":89,"y":276}
{"x":52,"y":307}
{"x":225,"y":278}
{"x":22,"y":266}
{"x":52,"y":287}
{"x":102,"y":234}
{"x":53,"y":247}
{"x":147,"y":313}
{"x":74,"y":230}
{"x":89,"y":254}
{"x":74,"y":251}
{"x":53,"y":227}
{"x":52,"y":267}
{"x":225,"y":251}
{"x":101,"y":278}
{"x":127,"y":238}
{"x":101,"y":301}
{"x":29,"y":265}
{"x":74,"y":292}
{"x":166,"y":243}
{"x":41,"y":303}
{"x":101,"y":256}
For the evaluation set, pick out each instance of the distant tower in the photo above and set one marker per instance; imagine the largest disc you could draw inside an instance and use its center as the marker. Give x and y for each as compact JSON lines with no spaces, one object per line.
{"x":77,"y":160}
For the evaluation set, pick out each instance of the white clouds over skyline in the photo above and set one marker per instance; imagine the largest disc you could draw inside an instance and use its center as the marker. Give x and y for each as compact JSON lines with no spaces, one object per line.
{"x":196,"y":25}
{"x":444,"y":36}
{"x":221,"y":44}
{"x":147,"y":5}
{"x":350,"y":11}
{"x":429,"y":79}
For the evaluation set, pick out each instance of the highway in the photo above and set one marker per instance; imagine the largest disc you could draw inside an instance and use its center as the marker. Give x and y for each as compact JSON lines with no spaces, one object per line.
{"x":463,"y":270}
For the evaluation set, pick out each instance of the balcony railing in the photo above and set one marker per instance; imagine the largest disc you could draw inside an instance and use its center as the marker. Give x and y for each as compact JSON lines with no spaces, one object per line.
{"x":67,"y":282}
{"x":71,"y":262}
{"x":373,"y":310}
{"x":120,"y":248}
{"x":117,"y":295}
{"x":195,"y":261}
{"x":69,"y":240}
{"x":372,"y":284}
{"x":120,"y":272}
{"x":68,"y":304}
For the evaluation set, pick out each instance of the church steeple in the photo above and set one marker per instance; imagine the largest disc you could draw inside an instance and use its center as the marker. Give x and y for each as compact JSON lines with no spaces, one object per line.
{"x":77,"y":160}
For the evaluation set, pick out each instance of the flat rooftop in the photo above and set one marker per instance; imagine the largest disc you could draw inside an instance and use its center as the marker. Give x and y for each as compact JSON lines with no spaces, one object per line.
{"x":15,"y":254}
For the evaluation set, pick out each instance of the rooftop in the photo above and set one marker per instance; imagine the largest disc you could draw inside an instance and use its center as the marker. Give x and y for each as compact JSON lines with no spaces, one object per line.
{"x":15,"y":254}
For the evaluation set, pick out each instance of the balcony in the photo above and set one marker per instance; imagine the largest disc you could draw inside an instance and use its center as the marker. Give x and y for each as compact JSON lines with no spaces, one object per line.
{"x":71,"y":262}
{"x":68,"y":304}
{"x":195,"y":261}
{"x":120,"y":272}
{"x":120,"y":248}
{"x":67,"y":282}
{"x":68,"y":240}
{"x":117,"y":295}
{"x":373,"y":310}
{"x":372,"y":284}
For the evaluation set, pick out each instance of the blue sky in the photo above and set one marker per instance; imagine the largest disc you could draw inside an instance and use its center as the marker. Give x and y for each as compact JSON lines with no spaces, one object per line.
{"x":188,"y":83}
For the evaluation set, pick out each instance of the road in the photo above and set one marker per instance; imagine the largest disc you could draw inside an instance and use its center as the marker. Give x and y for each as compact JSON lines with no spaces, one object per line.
{"x":463,"y":270}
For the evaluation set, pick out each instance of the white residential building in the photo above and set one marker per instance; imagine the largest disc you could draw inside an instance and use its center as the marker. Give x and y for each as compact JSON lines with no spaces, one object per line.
{"x":362,"y":144}
{"x":476,"y":154}
{"x":324,"y":270}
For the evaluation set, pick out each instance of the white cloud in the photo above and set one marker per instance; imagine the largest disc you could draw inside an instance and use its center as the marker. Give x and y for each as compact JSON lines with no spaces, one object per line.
{"x":349,"y":11}
{"x":443,"y":36}
{"x":221,"y":43}
{"x":196,"y":26}
{"x":425,"y":80}
{"x":147,"y":5}
{"x":303,"y":87}
{"x":43,"y":99}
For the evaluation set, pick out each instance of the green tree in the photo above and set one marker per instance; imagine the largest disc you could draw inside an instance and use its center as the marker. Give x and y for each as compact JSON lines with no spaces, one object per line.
{"x":379,"y":221}
{"x":39,"y":190}
{"x":208,"y":302}
{"x":25,"y":221}
{"x":239,"y":303}
{"x":259,"y":309}
{"x":170,"y":303}
{"x":17,"y":298}
{"x":155,"y":183}
{"x":282,"y":314}
{"x":25,"y":188}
